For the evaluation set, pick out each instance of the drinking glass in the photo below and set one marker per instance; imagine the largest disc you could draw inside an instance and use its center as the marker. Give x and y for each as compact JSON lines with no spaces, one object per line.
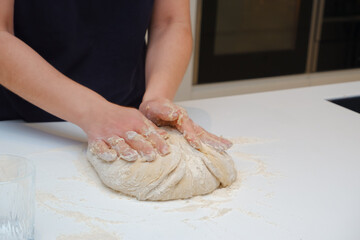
{"x":17,"y":198}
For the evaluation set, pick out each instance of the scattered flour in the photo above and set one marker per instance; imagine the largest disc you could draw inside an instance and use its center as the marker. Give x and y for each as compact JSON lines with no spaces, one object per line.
{"x":212,"y":206}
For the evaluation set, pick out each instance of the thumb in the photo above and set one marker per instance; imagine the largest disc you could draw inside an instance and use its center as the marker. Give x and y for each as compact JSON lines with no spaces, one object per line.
{"x":160,"y":112}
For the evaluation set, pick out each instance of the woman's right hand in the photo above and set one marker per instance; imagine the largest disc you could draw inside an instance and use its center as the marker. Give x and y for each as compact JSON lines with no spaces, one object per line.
{"x":115,"y":131}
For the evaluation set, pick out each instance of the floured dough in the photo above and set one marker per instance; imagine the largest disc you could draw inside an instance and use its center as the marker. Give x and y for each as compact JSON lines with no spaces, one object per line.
{"x":183,"y":173}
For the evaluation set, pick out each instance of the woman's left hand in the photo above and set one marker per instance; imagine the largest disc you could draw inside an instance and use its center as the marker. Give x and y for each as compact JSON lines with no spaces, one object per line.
{"x":163,"y":112}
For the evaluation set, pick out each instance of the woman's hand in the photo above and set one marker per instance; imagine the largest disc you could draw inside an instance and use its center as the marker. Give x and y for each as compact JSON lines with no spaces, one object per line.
{"x":165,"y":113}
{"x":115,"y":131}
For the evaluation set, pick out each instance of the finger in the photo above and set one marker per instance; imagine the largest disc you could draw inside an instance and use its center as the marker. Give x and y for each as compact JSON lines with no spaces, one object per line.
{"x":209,"y":140}
{"x":102,"y":150}
{"x":155,"y":139}
{"x":122,"y":148}
{"x":218,"y":143}
{"x":141,"y":145}
{"x":186,"y":126}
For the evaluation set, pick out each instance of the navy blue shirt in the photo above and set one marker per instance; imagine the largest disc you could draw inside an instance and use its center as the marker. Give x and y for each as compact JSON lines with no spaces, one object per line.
{"x":97,"y":43}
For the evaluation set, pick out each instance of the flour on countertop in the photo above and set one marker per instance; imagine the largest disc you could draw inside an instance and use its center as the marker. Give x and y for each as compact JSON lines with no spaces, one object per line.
{"x":94,"y":234}
{"x":58,"y":205}
{"x":208,"y":207}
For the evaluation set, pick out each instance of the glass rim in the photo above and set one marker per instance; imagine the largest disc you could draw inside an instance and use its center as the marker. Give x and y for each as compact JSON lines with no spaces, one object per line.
{"x":29,"y":173}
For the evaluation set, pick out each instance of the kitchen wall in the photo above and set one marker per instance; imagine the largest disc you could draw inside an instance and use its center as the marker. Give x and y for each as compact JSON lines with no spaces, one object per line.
{"x":190,"y":90}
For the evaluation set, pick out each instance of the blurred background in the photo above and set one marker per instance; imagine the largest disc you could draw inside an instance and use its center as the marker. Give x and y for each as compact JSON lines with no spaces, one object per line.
{"x":247,"y":46}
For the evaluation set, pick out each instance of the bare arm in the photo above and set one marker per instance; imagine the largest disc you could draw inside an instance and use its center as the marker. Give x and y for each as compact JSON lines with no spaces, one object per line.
{"x":26,"y":73}
{"x":170,"y":46}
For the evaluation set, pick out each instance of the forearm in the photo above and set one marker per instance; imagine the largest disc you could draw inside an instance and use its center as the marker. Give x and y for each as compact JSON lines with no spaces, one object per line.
{"x":168,"y":56}
{"x":27,"y":74}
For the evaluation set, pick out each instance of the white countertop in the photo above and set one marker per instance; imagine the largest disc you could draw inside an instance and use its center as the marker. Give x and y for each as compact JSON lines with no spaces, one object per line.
{"x":298,"y":158}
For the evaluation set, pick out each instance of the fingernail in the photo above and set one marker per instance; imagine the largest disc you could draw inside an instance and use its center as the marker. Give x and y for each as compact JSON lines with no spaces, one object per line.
{"x":108,"y":156}
{"x":227,"y":143}
{"x":148,"y":157}
{"x":219,"y":147}
{"x":165,"y":150}
{"x":130,"y":156}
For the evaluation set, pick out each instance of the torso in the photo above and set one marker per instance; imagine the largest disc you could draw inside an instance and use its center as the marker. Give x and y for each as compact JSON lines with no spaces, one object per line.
{"x":100,"y":44}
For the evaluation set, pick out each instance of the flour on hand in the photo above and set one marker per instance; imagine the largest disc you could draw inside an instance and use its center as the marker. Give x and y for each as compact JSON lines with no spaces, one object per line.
{"x":184,"y":173}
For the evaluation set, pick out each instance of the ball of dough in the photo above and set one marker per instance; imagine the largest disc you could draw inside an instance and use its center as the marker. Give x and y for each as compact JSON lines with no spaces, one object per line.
{"x":184,"y":173}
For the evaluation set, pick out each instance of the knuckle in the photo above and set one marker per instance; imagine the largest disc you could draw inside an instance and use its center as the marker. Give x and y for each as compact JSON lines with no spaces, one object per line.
{"x":131,"y":135}
{"x":148,"y":157}
{"x":115,"y":140}
{"x":140,"y":124}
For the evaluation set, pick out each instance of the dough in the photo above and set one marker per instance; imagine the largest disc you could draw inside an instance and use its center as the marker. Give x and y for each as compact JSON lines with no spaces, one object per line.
{"x":184,"y":173}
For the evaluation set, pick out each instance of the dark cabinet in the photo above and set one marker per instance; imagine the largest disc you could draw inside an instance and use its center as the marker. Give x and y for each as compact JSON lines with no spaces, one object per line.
{"x":341,"y":8}
{"x":242,"y":39}
{"x":339,"y":46}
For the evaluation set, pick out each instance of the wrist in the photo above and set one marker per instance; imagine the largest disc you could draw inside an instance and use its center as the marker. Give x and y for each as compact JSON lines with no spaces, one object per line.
{"x":89,"y":112}
{"x":152,"y":97}
{"x":159,"y":90}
